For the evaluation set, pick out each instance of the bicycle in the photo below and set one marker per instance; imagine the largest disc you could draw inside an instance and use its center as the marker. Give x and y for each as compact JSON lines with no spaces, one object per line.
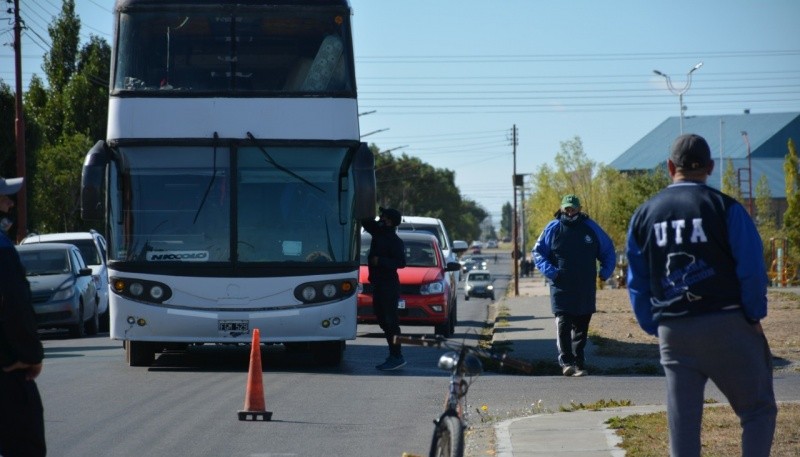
{"x":462,"y":361}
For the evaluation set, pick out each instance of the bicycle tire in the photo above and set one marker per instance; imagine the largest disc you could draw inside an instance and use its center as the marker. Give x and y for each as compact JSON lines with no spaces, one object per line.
{"x":448,"y":438}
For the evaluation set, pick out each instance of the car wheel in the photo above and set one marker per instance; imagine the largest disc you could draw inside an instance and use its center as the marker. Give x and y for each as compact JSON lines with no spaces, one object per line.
{"x":466,"y":297}
{"x":492,"y":297}
{"x":446,"y":329}
{"x":453,"y":319}
{"x":78,"y":330}
{"x":93,"y":324}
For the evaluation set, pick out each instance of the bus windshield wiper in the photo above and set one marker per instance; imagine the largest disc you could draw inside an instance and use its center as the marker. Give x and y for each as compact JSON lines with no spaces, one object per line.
{"x":280,"y":167}
{"x":210,"y":183}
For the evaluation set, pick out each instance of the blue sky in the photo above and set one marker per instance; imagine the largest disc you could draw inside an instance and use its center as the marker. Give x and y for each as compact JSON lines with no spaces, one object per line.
{"x":449,"y":78}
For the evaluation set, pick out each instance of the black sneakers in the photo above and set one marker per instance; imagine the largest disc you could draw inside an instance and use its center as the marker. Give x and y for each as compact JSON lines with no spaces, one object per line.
{"x":392,"y":363}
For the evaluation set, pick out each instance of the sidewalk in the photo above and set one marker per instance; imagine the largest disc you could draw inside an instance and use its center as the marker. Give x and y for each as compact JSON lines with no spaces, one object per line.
{"x":576,"y":433}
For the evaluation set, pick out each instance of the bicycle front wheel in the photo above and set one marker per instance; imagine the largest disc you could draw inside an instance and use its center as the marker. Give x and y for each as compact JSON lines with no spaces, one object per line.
{"x":448,"y":438}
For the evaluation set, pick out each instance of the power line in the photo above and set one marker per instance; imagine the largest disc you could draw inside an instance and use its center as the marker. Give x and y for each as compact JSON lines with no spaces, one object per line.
{"x":517,"y":58}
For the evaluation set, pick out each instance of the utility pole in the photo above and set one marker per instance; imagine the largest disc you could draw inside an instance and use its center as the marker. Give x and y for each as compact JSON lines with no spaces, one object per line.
{"x":515,"y":226}
{"x":19,"y":127}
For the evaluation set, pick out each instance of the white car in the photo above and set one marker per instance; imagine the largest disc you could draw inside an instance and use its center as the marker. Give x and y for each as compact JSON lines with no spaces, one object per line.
{"x":436,"y":227}
{"x":93,"y":249}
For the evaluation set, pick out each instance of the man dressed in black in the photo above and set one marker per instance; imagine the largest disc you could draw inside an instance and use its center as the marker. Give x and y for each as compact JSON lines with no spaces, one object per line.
{"x":21,"y":353}
{"x":386,"y":254}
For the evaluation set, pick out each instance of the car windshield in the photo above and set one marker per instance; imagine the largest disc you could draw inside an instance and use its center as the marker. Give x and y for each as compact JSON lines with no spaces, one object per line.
{"x":419,"y":254}
{"x":87,"y":248}
{"x":432,"y":229}
{"x":40,"y":263}
{"x":479,"y":277}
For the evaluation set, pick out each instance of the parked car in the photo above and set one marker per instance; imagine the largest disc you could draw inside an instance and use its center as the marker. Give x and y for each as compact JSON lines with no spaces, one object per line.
{"x":436,"y":227}
{"x":481,"y":262}
{"x":62,"y":289}
{"x":479,"y":283}
{"x":425,"y":291}
{"x":93,"y":248}
{"x":460,"y":247}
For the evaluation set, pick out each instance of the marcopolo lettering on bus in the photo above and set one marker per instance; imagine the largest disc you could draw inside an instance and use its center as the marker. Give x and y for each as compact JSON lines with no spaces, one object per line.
{"x":177,"y":256}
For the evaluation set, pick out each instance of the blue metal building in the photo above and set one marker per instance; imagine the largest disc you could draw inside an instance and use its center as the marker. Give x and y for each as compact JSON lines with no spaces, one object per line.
{"x":768,"y":135}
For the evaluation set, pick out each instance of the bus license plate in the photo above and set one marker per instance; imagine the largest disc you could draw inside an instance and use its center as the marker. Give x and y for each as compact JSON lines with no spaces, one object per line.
{"x":233,"y":326}
{"x":401,"y":304}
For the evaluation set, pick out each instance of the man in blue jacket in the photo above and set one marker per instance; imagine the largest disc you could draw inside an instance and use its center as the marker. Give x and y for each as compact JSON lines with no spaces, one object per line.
{"x":21,"y":353}
{"x":566,"y":253}
{"x":697,"y":280}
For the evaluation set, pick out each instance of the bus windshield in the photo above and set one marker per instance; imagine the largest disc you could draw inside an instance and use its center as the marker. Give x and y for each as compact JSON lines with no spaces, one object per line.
{"x":188,"y":204}
{"x":234,"y":50}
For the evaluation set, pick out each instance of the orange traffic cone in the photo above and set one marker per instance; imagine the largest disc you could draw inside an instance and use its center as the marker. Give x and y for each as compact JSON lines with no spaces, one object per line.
{"x":254,"y":407}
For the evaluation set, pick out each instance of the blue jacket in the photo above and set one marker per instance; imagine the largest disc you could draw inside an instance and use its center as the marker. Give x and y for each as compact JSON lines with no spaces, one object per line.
{"x":567,"y":253}
{"x":19,"y":340}
{"x":693,"y":250}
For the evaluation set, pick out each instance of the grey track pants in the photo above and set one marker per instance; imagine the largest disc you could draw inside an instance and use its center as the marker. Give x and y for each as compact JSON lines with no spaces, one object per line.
{"x":727,"y":349}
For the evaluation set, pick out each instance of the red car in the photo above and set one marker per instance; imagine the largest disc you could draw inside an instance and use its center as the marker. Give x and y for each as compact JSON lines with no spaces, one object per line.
{"x":425,"y":295}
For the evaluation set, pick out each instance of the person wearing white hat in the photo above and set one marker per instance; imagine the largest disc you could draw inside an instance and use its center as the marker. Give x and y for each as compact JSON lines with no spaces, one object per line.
{"x":21,"y":353}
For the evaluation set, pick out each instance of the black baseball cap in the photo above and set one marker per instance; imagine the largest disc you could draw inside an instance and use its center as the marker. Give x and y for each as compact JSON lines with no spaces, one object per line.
{"x":393,"y":215}
{"x":690,"y":152}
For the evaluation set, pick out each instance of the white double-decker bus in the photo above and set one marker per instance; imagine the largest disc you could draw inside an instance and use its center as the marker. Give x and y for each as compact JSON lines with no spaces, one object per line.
{"x":232,"y":177}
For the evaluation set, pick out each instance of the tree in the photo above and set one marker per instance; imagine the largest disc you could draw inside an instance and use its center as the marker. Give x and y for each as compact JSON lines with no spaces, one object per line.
{"x":56,"y":186}
{"x":60,"y":63}
{"x":575,"y":173}
{"x":791,"y":219}
{"x":71,"y":107}
{"x":505,"y":220}
{"x":87,"y":91}
{"x":730,"y":181}
{"x":765,"y":217}
{"x":626,"y":193}
{"x":7,"y":131}
{"x":417,"y":188}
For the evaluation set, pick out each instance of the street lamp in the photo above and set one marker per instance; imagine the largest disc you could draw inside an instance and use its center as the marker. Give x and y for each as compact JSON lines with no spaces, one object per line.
{"x":374,"y":132}
{"x":386,"y":151}
{"x":680,"y":92}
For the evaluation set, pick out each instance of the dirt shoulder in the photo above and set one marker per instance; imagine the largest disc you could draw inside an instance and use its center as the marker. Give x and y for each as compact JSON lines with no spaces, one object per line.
{"x":615,"y":332}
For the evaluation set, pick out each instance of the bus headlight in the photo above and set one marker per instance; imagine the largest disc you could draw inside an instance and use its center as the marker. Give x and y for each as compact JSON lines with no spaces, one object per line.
{"x":309,"y":294}
{"x":329,"y":290}
{"x":136,"y":289}
{"x":325,"y":291}
{"x":156,"y":292}
{"x":142,"y":290}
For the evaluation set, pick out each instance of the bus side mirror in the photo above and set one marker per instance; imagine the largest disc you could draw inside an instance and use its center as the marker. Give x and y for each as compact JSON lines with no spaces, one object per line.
{"x":93,"y":180}
{"x":364,"y":178}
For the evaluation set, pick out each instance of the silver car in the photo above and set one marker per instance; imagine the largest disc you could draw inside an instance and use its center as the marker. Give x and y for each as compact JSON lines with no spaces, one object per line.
{"x":93,"y":249}
{"x":62,"y":288}
{"x":479,"y":283}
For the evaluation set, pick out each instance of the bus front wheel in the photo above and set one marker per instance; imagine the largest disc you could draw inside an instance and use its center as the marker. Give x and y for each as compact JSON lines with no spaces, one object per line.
{"x":328,"y":353}
{"x":139,"y":353}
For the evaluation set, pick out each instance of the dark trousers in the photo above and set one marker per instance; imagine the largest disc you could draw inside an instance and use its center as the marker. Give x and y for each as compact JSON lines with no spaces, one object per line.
{"x":21,"y":417}
{"x":572,"y":331}
{"x":385,"y":296}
